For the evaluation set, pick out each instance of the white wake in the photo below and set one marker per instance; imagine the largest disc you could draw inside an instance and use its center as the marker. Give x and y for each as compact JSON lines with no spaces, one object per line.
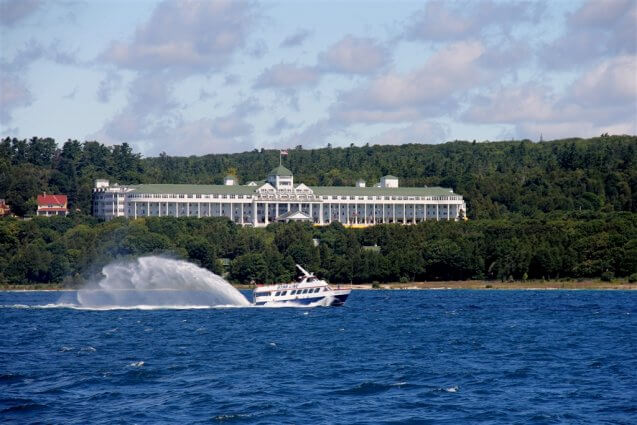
{"x":149,"y":283}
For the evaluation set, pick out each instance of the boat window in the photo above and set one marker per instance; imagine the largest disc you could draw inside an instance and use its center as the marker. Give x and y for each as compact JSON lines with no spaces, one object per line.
{"x":261,"y":294}
{"x":293,"y":292}
{"x":316,"y":290}
{"x":277,"y":294}
{"x":283,"y":293}
{"x":304,"y":291}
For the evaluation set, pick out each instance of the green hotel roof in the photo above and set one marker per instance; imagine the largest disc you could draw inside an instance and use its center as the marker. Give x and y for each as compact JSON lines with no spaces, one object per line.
{"x":280,"y":171}
{"x":203,"y":189}
{"x":380,"y":191}
{"x":196,"y":189}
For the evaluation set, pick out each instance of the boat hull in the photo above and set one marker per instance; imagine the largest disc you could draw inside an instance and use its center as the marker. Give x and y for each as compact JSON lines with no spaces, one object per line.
{"x":337,"y":299}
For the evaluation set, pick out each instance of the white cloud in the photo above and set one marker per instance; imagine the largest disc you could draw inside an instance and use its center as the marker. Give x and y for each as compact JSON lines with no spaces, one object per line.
{"x":449,"y":21}
{"x":429,"y":90}
{"x":602,"y":99}
{"x":280,"y":126}
{"x":14,"y":89}
{"x":13,"y":94}
{"x":286,"y":75}
{"x":110,"y":83}
{"x":611,"y":82}
{"x":13,"y":11}
{"x":598,"y":29}
{"x":204,"y":136}
{"x":187,"y":36}
{"x":416,"y":132}
{"x":354,"y":55}
{"x":296,"y":39}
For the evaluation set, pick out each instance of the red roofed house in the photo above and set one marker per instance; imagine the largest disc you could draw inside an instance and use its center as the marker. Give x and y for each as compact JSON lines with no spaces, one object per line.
{"x":49,"y":205}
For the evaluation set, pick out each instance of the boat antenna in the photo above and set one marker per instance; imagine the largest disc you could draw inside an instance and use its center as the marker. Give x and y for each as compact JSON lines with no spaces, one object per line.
{"x":305,"y":272}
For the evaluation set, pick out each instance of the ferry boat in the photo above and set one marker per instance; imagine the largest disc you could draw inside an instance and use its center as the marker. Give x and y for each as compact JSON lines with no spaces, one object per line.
{"x":309,"y":290}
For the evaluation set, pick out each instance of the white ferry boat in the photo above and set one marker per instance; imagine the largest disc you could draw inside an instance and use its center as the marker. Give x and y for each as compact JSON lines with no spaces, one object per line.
{"x":309,"y":290}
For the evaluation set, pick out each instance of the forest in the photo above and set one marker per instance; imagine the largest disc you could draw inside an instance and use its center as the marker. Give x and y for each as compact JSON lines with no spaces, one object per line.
{"x":496,"y":178}
{"x":576,"y":245}
{"x":559,"y":209}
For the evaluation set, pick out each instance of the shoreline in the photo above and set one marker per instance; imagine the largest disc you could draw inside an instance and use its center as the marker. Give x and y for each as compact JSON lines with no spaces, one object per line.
{"x":534,"y":285}
{"x":537,"y":285}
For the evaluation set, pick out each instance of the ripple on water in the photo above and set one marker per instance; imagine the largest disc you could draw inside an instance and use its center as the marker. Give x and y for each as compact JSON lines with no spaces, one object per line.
{"x":385,"y":357}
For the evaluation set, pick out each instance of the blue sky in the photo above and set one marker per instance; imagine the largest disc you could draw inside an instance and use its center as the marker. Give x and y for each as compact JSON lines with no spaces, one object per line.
{"x":196,"y":77}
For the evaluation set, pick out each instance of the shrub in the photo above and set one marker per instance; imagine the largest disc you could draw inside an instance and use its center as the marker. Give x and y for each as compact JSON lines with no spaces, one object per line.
{"x":404,"y":279}
{"x":632,"y":278}
{"x":607,"y":276}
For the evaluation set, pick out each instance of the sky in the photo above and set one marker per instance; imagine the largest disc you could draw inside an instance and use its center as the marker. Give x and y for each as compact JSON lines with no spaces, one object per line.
{"x":195,"y":77}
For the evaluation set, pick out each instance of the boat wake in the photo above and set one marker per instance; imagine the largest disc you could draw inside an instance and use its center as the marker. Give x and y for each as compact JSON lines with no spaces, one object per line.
{"x":152,"y":283}
{"x":158,"y":283}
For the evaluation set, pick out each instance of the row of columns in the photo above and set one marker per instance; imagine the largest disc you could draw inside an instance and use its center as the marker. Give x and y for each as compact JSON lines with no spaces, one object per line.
{"x":384,"y":218}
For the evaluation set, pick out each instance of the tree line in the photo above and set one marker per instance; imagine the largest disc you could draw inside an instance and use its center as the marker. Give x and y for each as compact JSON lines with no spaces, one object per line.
{"x":557,"y":245}
{"x":497,"y":179}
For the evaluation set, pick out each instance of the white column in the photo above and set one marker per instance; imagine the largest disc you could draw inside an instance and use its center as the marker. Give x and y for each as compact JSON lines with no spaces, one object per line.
{"x":265,"y":207}
{"x":135,"y":209}
{"x":365,"y":213}
{"x":254,"y":213}
{"x":311,"y":212}
{"x":241,"y":212}
{"x":394,"y":213}
{"x":198,"y":209}
{"x":321,"y":221}
{"x":147,"y":209}
{"x":374,"y":212}
{"x":437,"y":212}
{"x":404,"y":213}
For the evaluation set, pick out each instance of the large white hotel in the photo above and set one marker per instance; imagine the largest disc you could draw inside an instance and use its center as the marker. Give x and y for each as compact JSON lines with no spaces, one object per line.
{"x":259,"y":203}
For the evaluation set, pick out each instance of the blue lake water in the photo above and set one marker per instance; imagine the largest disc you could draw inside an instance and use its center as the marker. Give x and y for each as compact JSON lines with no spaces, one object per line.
{"x":385,"y":357}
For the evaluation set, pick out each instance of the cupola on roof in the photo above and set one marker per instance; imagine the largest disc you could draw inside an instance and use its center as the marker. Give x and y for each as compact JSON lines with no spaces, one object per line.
{"x":280,"y":171}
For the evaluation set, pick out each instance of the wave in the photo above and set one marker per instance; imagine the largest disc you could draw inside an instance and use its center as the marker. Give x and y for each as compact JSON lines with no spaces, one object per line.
{"x":148,"y":307}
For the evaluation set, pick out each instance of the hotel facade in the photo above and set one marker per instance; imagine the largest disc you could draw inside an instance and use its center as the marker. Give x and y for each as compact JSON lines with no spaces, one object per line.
{"x":278,"y":199}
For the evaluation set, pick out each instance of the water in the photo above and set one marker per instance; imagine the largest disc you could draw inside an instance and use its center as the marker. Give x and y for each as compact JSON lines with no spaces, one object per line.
{"x":385,"y":357}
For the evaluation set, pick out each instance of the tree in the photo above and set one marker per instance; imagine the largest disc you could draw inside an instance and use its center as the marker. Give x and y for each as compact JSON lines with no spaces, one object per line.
{"x":248,"y":268}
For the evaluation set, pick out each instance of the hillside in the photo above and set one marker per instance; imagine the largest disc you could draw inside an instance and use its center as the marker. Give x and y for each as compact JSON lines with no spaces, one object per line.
{"x":496,"y":178}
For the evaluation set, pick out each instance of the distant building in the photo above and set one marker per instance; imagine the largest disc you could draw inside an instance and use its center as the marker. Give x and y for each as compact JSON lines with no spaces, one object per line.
{"x":259,"y":203}
{"x":50,"y":205}
{"x":4,"y":208}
